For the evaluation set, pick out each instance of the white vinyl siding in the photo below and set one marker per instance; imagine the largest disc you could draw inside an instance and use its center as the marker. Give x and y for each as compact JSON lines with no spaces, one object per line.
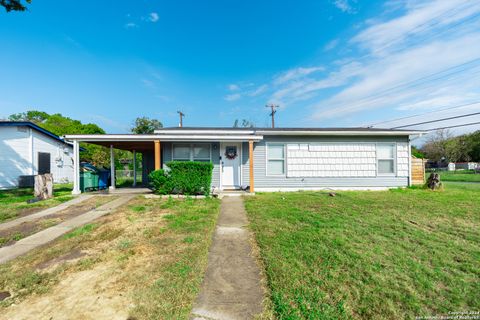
{"x":331,"y":160}
{"x":275,"y":159}
{"x":192,"y":152}
{"x":386,"y":159}
{"x":402,"y":159}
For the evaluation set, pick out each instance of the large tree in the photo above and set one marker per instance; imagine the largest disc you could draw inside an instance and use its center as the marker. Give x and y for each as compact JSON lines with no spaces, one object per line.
{"x":14,"y":5}
{"x":443,"y":145}
{"x":145,"y":125}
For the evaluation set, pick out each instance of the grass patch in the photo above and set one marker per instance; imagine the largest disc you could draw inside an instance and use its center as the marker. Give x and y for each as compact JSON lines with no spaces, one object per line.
{"x":370,"y":255}
{"x":80,"y":231}
{"x":13,"y":203}
{"x":459,"y":175}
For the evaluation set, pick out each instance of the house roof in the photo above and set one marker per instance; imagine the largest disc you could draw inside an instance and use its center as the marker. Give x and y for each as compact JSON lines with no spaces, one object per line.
{"x":35,"y":127}
{"x":288,"y":131}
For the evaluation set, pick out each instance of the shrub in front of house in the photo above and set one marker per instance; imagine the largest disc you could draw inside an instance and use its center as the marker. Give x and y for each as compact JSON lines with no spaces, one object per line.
{"x":160,"y":182}
{"x":183,"y":177}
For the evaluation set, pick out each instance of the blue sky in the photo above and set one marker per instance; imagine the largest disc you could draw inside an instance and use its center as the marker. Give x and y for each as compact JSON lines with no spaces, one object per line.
{"x":326,"y":63}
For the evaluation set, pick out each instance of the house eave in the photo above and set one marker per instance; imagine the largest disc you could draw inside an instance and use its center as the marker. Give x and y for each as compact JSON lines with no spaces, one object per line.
{"x":338,"y":133}
{"x":163,"y":137}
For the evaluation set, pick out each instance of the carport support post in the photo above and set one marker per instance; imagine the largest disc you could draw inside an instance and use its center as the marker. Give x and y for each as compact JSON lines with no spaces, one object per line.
{"x":112,"y":169}
{"x":158,"y":159}
{"x":76,"y":168}
{"x":134,"y":168}
{"x":250,"y":162}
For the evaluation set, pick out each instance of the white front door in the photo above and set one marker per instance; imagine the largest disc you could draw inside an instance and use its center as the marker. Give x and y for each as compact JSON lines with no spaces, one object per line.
{"x":230,"y":170}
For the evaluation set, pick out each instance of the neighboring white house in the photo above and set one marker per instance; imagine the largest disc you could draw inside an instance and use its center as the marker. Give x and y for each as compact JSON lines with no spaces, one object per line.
{"x":27,"y":150}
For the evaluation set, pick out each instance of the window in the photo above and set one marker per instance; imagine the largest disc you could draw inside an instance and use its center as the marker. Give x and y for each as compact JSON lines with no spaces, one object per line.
{"x":181,"y":152}
{"x":191,"y":152}
{"x":275,"y":159}
{"x":385,"y":158}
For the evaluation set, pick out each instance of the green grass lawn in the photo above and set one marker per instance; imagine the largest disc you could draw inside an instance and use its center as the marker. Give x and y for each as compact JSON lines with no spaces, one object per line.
{"x":370,"y":255}
{"x":463,"y":175}
{"x":13,"y":203}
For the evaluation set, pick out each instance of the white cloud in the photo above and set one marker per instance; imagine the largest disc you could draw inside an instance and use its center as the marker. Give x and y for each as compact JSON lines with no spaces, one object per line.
{"x":296,"y":73}
{"x":233,"y":87}
{"x":153,"y":17}
{"x":420,"y":19}
{"x":148,"y":83}
{"x":233,"y":97}
{"x":258,"y":91}
{"x":344,"y":6}
{"x":331,"y":45}
{"x":391,"y":81}
{"x":130,"y":25}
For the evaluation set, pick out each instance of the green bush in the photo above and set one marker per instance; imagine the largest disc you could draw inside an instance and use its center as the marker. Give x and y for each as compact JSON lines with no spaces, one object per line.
{"x":184,"y":177}
{"x":160,"y":182}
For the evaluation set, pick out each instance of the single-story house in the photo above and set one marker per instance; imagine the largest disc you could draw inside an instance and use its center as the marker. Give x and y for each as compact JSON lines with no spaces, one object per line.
{"x":27,"y":150}
{"x":275,"y":159}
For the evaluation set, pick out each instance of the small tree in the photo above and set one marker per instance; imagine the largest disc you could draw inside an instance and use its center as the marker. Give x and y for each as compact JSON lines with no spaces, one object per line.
{"x":145,"y":125}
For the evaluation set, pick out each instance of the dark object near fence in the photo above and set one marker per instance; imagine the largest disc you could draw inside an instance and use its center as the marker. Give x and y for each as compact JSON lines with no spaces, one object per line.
{"x":433,"y":181}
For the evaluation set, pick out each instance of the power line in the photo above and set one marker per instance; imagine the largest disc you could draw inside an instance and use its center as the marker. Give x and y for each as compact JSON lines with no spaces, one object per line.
{"x":431,"y":121}
{"x":426,"y":113}
{"x":427,"y":24}
{"x":427,"y":37}
{"x":455,"y":126}
{"x":414,"y":82}
{"x":432,"y":36}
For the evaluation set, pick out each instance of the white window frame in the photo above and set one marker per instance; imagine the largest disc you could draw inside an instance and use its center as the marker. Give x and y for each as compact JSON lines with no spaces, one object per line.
{"x":191,"y":147}
{"x":284,"y":174}
{"x":394,"y":145}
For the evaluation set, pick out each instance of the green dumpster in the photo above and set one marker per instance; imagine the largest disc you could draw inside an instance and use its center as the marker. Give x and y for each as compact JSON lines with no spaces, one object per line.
{"x":88,"y":181}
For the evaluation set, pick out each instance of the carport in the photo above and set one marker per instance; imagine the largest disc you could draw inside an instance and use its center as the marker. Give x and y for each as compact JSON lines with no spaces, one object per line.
{"x":145,"y":144}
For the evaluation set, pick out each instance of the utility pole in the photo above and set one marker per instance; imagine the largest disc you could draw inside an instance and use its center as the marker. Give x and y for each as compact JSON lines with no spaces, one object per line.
{"x":181,"y":114}
{"x":272,"y":114}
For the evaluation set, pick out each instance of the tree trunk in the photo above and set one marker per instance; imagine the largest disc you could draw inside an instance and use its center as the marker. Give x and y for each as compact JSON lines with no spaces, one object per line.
{"x":44,"y":186}
{"x":433,"y":181}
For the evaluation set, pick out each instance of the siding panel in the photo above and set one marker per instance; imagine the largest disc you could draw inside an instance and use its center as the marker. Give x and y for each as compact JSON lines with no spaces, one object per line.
{"x":277,"y":182}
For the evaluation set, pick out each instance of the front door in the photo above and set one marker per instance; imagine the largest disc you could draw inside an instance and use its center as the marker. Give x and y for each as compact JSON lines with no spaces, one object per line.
{"x":231,"y":153}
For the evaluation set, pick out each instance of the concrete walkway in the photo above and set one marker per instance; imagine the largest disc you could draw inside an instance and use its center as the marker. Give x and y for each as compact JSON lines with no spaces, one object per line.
{"x":231,"y":288}
{"x":38,"y":239}
{"x":43,"y":213}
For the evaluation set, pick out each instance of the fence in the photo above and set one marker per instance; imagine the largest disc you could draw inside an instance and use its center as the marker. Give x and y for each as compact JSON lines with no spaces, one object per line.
{"x":418,"y":171}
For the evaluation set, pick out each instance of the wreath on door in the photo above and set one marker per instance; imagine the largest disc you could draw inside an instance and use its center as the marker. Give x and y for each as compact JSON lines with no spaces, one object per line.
{"x":231,"y":152}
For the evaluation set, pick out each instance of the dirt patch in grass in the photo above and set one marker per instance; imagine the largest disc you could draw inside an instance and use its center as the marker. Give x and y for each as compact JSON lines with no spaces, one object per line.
{"x":132,"y":263}
{"x":87,"y":294}
{"x":69,"y":257}
{"x":12,"y":235}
